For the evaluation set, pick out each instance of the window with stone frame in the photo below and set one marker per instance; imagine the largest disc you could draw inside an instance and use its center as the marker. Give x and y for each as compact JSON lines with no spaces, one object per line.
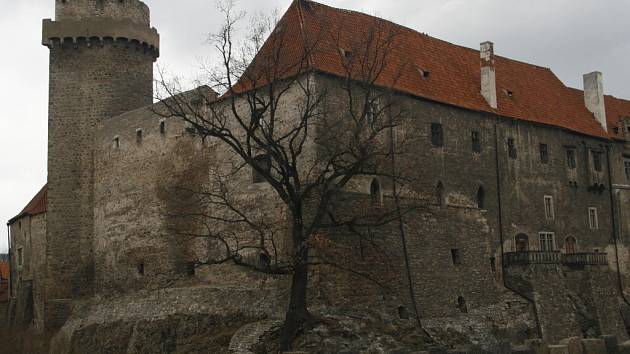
{"x":593,"y":220}
{"x":549,"y":209}
{"x":476,"y":141}
{"x":511,"y":148}
{"x":571,"y":158}
{"x":626,"y":168}
{"x":597,"y":161}
{"x":544,"y":153}
{"x":437,"y":135}
{"x":547,"y":242}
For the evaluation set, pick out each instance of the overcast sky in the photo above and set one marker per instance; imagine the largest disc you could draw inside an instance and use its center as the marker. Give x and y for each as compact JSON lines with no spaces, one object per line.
{"x":571,"y":37}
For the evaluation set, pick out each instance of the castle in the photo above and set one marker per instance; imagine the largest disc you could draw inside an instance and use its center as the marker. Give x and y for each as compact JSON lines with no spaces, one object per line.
{"x":527,"y":181}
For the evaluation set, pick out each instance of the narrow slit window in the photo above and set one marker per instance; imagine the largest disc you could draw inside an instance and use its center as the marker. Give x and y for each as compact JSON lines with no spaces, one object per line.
{"x":476,"y":142}
{"x":439,"y":194}
{"x":139,"y":136}
{"x":140,"y":268}
{"x":162,"y":127}
{"x":481,"y":198}
{"x":116,"y":142}
{"x":593,"y":221}
{"x":571,"y":159}
{"x":375,"y":192}
{"x":549,"y":210}
{"x":597,"y":161}
{"x":544,"y":153}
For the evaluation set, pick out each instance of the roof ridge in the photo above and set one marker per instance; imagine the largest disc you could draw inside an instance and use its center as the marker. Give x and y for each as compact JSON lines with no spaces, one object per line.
{"x":415,"y":31}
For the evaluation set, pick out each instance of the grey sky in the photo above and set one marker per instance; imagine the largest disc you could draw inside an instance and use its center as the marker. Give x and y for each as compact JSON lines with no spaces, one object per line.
{"x":571,"y":37}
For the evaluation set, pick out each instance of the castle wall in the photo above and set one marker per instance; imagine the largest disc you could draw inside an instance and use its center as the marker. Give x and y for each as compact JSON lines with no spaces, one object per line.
{"x":524,"y":182}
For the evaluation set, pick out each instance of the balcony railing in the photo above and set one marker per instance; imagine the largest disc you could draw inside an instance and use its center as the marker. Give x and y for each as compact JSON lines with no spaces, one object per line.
{"x":554,"y":257}
{"x":531,"y":257}
{"x":585,"y":259}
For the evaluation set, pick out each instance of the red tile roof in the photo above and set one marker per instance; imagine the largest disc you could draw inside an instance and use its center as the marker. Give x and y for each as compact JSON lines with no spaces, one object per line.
{"x":537,"y":94}
{"x":36,"y":206}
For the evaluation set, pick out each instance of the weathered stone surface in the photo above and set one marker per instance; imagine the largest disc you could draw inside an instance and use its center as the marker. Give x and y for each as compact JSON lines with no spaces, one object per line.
{"x":538,"y":346}
{"x":594,"y":346}
{"x":624,"y":348}
{"x":558,"y":349}
{"x":574,"y":344}
{"x":611,"y":342}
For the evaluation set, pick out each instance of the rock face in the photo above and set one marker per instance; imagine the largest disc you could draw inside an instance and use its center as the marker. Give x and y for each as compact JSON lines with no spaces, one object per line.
{"x":190,"y":320}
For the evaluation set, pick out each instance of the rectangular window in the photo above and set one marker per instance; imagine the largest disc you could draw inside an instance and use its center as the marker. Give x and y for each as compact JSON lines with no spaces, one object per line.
{"x":511,"y":148}
{"x":626,"y":168}
{"x":544,"y":153}
{"x":476,"y":142}
{"x":372,"y":113}
{"x":597,"y":161}
{"x":138,"y":135}
{"x":162,"y":126}
{"x":571,"y":159}
{"x":549,"y":211}
{"x":437,"y":135}
{"x":456,"y":256}
{"x":547,"y":243}
{"x":593,"y":223}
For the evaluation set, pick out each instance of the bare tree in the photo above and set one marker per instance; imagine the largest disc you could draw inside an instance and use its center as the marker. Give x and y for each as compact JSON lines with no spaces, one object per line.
{"x":308,"y":141}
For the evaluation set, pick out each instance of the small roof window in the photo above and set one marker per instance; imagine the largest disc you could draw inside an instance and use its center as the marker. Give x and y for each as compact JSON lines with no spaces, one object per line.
{"x":508,"y":93}
{"x":424,"y":73}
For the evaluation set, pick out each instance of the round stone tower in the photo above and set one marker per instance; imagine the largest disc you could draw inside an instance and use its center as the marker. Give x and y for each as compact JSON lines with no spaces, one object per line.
{"x":101,"y":65}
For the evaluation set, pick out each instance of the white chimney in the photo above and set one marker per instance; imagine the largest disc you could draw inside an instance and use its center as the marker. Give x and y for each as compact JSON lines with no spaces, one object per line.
{"x":488,"y":75}
{"x":594,"y":97}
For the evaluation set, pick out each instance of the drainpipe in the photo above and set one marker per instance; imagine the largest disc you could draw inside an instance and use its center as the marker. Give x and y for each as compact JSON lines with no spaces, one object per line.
{"x":613,"y":213}
{"x":10,"y":260}
{"x":500,"y":221}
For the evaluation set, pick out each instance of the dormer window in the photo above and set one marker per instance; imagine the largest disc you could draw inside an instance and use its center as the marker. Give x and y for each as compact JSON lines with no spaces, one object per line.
{"x":508,"y":93}
{"x":346,"y":54}
{"x":424,"y":73}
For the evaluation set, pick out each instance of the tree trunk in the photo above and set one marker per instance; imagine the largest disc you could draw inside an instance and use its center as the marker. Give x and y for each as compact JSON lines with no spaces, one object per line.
{"x":297,"y":314}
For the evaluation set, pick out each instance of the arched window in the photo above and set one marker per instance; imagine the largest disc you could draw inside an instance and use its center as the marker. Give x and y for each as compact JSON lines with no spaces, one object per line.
{"x":570,"y":245}
{"x":439,"y":194}
{"x":375,"y":192}
{"x":461,"y":304}
{"x":481,"y":198}
{"x":522,"y":243}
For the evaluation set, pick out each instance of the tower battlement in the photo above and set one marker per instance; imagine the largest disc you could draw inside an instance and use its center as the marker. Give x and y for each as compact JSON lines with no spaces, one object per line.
{"x":100,"y":31}
{"x":131,"y":10}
